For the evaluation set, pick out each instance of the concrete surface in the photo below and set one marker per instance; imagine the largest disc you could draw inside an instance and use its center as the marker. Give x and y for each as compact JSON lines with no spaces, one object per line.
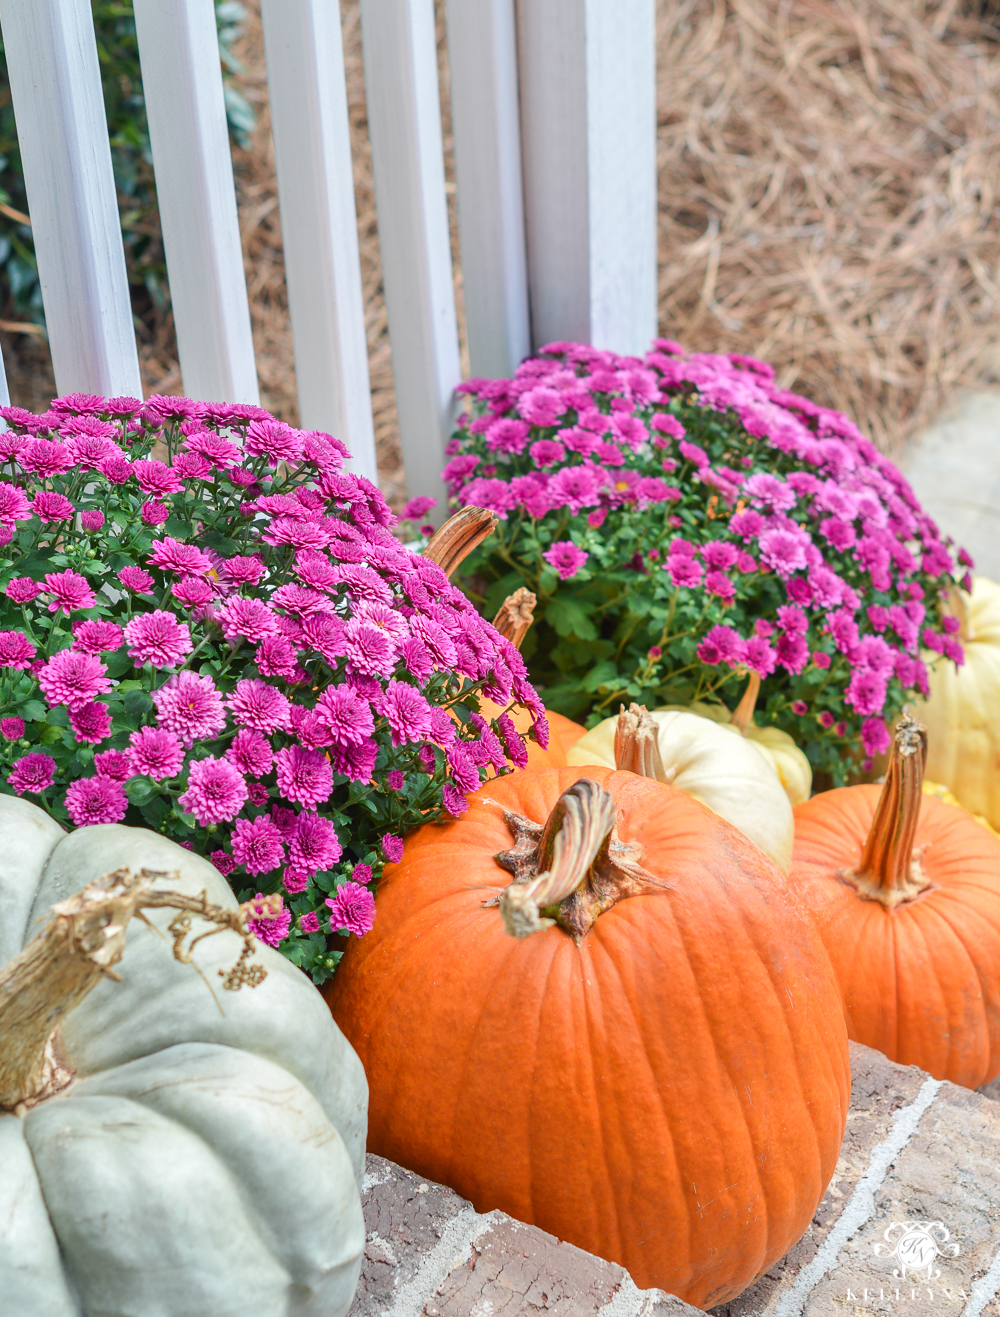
{"x":954,"y":467}
{"x":918,"y":1155}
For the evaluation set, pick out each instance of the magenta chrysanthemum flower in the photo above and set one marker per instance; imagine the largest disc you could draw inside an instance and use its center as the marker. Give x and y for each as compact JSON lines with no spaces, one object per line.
{"x":69,"y":591}
{"x":14,"y":505}
{"x":172,"y":556}
{"x":276,"y":657}
{"x":250,"y":618}
{"x":454,"y":802}
{"x":369,"y":648}
{"x":267,"y":918}
{"x":92,"y":636}
{"x":90,"y":723}
{"x":242,"y":570}
{"x":392,"y":848}
{"x":155,"y":477}
{"x":314,"y":844}
{"x":135,"y":579}
{"x":304,"y":776}
{"x":93,"y":800}
{"x":257,"y":845}
{"x":406,"y":711}
{"x":155,"y":752}
{"x":73,"y":679}
{"x":294,"y":881}
{"x":92,"y":519}
{"x":223,"y":861}
{"x":352,"y":908}
{"x":355,"y":762}
{"x":32,"y":773}
{"x":256,"y":704}
{"x":52,"y":507}
{"x":154,"y":513}
{"x":309,"y":923}
{"x":189,"y":705}
{"x":216,"y":791}
{"x":274,"y":440}
{"x":464,"y":770}
{"x":192,"y":591}
{"x":566,"y":558}
{"x":251,"y":753}
{"x":157,"y":638}
{"x":113,"y":764}
{"x":22,"y":589}
{"x":11,"y":729}
{"x":16,"y":650}
{"x":346,"y":714}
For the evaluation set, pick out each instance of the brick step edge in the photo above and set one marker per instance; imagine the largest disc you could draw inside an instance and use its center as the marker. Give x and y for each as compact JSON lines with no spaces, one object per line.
{"x":916,"y":1152}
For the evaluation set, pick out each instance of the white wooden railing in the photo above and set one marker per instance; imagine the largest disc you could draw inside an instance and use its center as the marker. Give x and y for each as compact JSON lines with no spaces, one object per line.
{"x":553,"y":107}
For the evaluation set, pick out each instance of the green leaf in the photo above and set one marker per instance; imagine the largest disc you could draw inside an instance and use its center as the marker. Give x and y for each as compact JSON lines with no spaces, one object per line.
{"x":602,"y":674}
{"x":137,"y":702}
{"x":139,"y":790}
{"x":32,"y":711}
{"x":568,"y":617}
{"x":118,"y":663}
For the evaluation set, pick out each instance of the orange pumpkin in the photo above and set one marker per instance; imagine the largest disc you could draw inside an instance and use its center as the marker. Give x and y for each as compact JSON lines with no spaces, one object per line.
{"x":906,"y":894}
{"x":657,"y":1073}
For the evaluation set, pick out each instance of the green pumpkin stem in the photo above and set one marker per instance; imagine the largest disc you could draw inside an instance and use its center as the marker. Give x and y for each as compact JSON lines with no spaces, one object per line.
{"x":571,"y":869}
{"x":742,"y":716}
{"x":78,"y":947}
{"x":889,"y":869}
{"x":459,"y":535}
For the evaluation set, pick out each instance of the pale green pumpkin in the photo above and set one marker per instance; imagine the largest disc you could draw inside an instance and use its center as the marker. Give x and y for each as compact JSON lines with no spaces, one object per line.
{"x":201,"y":1161}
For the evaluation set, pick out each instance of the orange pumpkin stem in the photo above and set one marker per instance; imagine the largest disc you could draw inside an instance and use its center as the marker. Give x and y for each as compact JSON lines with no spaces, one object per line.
{"x":743,"y":713}
{"x":572,"y":869}
{"x":889,"y":869}
{"x":516,"y":615}
{"x":637,"y":746}
{"x":459,"y":535}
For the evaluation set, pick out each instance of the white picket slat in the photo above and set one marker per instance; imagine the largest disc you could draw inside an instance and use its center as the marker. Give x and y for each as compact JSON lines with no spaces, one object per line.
{"x":486,"y":122}
{"x":312,"y":147}
{"x":404,"y":121}
{"x":55,"y":84}
{"x":588,"y":131}
{"x":4,"y":391}
{"x":189,"y":138}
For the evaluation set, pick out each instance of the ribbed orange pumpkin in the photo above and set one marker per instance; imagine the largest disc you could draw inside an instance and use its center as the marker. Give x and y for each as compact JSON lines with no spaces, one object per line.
{"x":667,"y":1087}
{"x":906,"y":894}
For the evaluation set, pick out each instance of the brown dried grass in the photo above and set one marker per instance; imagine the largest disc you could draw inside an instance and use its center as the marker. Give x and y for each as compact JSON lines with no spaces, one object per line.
{"x":827,"y":191}
{"x":828,"y":185}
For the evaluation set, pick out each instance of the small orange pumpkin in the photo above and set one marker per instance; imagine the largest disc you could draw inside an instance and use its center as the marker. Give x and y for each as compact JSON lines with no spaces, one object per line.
{"x":656,"y":1070}
{"x":906,"y":894}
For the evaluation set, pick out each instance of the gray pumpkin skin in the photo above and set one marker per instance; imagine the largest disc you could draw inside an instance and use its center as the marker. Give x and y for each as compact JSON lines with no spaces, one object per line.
{"x":200,"y":1164}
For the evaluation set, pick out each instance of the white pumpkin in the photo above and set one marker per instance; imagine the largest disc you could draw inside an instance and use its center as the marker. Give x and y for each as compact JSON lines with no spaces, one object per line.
{"x":788,"y":761}
{"x":962,"y":715}
{"x":725,"y":772}
{"x":202,"y":1161}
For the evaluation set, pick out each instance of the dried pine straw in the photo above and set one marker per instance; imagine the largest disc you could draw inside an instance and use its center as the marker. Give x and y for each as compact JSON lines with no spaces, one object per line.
{"x":828,"y":178}
{"x":827,"y":187}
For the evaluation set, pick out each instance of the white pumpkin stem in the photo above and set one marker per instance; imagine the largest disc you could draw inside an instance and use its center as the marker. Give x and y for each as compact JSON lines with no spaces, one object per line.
{"x":637,"y":745}
{"x":889,"y":869}
{"x":572,"y":869}
{"x":515,"y":616}
{"x":459,"y":535}
{"x":77,"y":947}
{"x":742,"y":717}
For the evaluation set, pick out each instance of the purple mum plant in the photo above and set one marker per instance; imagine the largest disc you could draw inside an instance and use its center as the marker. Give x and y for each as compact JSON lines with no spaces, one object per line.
{"x":685,"y":523}
{"x":207,"y":626}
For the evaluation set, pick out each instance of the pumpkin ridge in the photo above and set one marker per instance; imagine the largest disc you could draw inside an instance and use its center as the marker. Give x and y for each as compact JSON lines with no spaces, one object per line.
{"x":959,"y":944}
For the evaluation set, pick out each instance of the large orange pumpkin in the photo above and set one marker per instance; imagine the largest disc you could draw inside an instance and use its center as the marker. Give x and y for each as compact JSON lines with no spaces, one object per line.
{"x":905,"y":890}
{"x":659,"y":1076}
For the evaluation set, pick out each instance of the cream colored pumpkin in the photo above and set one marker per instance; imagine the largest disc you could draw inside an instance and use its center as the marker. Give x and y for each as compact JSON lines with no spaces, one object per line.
{"x":962,"y":715}
{"x":730,"y":775}
{"x":784,"y":756}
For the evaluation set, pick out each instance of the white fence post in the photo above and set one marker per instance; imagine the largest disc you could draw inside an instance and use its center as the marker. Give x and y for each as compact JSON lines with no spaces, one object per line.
{"x":404,"y":121}
{"x":182,"y":85}
{"x":482,"y":57}
{"x":588,"y":129}
{"x":62,"y":129}
{"x":312,"y":147}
